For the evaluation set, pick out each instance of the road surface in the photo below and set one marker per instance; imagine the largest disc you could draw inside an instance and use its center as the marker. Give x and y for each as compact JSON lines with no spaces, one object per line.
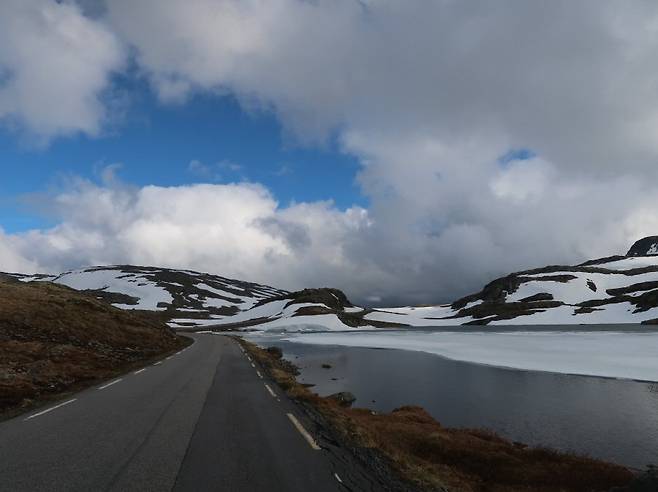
{"x":203,"y":419}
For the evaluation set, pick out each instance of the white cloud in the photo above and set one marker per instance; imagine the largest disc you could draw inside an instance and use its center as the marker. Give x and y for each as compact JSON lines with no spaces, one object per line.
{"x":522,"y":180}
{"x":11,"y":258}
{"x":428,"y":96}
{"x":54,"y":66}
{"x":401,"y":251}
{"x":236,"y":230}
{"x":576,"y":83}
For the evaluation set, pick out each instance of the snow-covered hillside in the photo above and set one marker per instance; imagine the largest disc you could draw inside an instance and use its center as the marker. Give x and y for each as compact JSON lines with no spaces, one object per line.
{"x":302,"y":311}
{"x":193,"y":297}
{"x":190,"y":299}
{"x":618,"y":289}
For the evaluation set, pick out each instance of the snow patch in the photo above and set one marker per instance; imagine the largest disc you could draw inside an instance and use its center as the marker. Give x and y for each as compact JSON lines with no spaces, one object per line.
{"x":148,"y":294}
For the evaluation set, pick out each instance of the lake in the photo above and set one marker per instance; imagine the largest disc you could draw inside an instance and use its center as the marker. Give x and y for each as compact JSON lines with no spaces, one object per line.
{"x":611,"y":419}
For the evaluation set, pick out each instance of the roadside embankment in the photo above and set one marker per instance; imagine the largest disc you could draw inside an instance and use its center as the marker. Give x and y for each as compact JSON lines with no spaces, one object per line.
{"x":54,"y":341}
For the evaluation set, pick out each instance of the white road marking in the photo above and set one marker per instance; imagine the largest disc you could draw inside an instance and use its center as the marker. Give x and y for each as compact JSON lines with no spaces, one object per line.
{"x":50,"y":409}
{"x":110,"y":384}
{"x":259,"y":374}
{"x":304,"y":432}
{"x":338,"y":478}
{"x":157,"y":363}
{"x":270,"y":390}
{"x":141,"y":370}
{"x":253,"y":365}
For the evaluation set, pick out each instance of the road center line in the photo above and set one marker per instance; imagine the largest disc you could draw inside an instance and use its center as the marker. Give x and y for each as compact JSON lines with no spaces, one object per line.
{"x":259,"y":374}
{"x":157,"y":363}
{"x":141,"y":370}
{"x":270,"y":390}
{"x":110,"y":384}
{"x":338,"y":478}
{"x":253,"y":365}
{"x":304,"y":432}
{"x":50,"y":409}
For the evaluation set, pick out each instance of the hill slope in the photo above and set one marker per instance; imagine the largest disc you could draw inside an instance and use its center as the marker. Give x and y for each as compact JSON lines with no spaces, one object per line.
{"x":189,"y":298}
{"x":54,"y":340}
{"x":617,"y":289}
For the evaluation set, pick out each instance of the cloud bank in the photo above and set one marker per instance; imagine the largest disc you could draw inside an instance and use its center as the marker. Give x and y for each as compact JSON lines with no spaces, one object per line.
{"x":55,"y":64}
{"x":428,"y":95}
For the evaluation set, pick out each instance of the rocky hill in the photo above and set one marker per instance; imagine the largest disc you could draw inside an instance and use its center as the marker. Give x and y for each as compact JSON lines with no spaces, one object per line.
{"x":647,"y":246}
{"x":616,"y":289}
{"x":182,"y":297}
{"x":192,"y":300}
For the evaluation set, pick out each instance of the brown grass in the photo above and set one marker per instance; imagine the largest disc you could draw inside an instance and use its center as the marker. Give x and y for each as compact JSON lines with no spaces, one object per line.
{"x":434,"y":457}
{"x":54,"y":340}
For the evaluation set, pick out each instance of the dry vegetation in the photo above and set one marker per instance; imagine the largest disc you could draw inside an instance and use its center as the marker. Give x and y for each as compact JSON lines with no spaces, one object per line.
{"x":438,"y":458}
{"x":54,"y":340}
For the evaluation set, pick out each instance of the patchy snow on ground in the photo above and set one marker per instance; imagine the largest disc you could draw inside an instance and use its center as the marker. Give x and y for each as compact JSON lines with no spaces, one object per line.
{"x":628,"y":355}
{"x":629,"y":263}
{"x":222,"y":293}
{"x":36,"y":278}
{"x":618,"y":313}
{"x":188,"y":323}
{"x":268,"y":310}
{"x":420,"y":316}
{"x":283,"y":318}
{"x":216,"y":302}
{"x":315,"y":323}
{"x":577,"y":290}
{"x":148,"y":294}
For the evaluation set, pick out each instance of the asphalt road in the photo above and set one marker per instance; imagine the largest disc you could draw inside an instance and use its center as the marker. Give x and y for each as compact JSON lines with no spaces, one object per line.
{"x":203,"y":419}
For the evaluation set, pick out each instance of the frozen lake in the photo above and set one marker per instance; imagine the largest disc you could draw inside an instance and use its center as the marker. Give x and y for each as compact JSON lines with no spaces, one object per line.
{"x":612,"y":419}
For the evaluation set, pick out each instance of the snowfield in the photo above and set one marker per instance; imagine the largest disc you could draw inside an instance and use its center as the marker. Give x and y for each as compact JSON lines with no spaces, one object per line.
{"x":628,"y":355}
{"x":198,"y":297}
{"x":622,"y":290}
{"x":148,"y":294}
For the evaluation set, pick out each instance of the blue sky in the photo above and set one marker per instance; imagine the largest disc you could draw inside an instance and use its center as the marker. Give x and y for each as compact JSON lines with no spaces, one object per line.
{"x":155,"y":143}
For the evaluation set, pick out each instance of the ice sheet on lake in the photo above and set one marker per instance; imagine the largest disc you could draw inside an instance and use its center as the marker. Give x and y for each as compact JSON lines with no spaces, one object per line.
{"x":609,"y":354}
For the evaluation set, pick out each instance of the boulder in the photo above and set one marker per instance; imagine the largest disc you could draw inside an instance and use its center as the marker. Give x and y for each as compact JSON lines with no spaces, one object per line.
{"x":344,"y":398}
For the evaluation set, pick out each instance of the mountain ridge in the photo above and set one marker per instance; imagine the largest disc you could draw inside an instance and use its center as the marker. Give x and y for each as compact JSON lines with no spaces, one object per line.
{"x":613,"y":289}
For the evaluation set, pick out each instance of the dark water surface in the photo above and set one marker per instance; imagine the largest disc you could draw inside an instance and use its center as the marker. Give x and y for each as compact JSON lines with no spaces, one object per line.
{"x":616,"y":420}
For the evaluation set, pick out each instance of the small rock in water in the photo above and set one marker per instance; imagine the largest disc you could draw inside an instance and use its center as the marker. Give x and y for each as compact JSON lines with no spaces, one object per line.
{"x":275,"y":351}
{"x":344,"y":398}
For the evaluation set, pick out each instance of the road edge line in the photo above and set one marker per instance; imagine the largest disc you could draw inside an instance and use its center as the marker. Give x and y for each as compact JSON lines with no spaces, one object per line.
{"x":303,"y":432}
{"x":50,"y":409}
{"x":110,"y":384}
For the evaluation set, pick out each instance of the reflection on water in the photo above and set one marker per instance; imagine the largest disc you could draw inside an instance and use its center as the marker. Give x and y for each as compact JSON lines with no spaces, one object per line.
{"x":606,"y":418}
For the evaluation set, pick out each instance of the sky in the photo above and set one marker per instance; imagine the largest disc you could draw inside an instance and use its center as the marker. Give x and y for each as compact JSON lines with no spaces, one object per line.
{"x":406,"y":152}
